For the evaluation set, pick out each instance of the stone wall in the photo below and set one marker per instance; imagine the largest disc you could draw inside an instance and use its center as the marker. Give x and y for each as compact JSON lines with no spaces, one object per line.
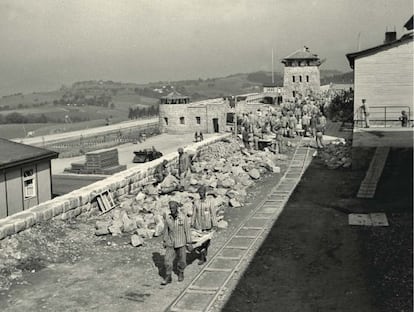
{"x":196,"y":117}
{"x":302,"y":87}
{"x":82,"y":200}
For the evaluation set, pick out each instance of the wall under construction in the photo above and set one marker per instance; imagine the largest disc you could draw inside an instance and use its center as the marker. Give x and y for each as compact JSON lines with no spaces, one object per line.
{"x":83,"y":200}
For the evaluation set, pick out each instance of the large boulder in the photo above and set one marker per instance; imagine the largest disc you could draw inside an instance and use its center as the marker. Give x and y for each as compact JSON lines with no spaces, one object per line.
{"x":136,"y":240}
{"x":159,"y":229}
{"x":234,"y":203}
{"x":116,"y":227}
{"x":254,"y":173}
{"x":222,"y":224}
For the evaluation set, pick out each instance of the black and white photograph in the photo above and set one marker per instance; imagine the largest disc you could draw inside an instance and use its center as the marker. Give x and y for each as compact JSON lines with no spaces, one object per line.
{"x":206,"y":155}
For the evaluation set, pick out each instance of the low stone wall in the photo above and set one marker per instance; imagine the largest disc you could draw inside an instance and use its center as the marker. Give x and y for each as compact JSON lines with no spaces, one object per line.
{"x":82,"y":200}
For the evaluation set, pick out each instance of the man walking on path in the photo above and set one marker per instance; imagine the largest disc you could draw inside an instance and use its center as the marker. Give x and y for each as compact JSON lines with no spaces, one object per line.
{"x":204,"y":219}
{"x":177,"y":236}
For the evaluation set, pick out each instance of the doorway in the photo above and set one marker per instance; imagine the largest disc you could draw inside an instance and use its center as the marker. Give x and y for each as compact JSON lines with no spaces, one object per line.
{"x":215,"y":125}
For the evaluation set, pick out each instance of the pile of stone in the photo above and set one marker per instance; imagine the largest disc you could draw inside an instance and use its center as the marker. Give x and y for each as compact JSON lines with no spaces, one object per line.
{"x":336,"y":155}
{"x":223,"y":168}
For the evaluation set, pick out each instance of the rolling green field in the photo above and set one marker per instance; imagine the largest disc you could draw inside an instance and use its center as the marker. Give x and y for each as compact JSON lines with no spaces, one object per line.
{"x":11,"y":131}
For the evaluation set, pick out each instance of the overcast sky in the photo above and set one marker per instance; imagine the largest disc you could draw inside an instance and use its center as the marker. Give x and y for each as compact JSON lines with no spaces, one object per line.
{"x":47,"y":43}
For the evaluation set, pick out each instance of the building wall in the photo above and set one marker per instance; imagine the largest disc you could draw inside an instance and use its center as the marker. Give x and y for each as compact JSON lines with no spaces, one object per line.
{"x":14,"y":190}
{"x":44,"y":183}
{"x":11,"y":188}
{"x":302,"y":87}
{"x":190,"y":112}
{"x":385,"y":79}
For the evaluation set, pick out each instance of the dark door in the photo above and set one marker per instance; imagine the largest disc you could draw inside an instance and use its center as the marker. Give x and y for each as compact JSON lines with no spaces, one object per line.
{"x":215,"y":125}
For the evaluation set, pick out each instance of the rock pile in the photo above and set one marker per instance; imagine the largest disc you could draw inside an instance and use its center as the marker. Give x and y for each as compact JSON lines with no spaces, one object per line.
{"x":222,"y":167}
{"x":336,"y":155}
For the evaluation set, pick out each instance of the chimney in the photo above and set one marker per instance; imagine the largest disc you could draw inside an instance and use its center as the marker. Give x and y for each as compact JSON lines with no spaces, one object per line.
{"x":390,"y":36}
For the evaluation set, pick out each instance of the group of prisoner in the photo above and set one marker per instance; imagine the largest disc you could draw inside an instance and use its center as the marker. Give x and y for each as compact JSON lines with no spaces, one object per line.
{"x":300,"y":117}
{"x":303,"y":116}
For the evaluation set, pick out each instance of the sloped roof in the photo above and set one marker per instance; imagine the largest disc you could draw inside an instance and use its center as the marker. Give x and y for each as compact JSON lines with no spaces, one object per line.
{"x":409,"y":24}
{"x":13,"y":154}
{"x":175,"y":95}
{"x":352,"y":56}
{"x":301,"y":54}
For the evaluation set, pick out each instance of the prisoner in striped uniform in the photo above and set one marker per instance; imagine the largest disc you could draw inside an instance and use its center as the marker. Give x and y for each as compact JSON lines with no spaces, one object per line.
{"x":204,"y":218}
{"x":177,"y":236}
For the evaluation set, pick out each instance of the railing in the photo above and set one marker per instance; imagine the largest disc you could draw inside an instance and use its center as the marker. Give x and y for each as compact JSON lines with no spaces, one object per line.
{"x":382,"y":116}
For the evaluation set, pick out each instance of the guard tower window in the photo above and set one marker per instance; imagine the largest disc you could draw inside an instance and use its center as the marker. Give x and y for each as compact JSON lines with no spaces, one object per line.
{"x":198,"y":120}
{"x":300,"y":78}
{"x":307,"y":78}
{"x":294,"y":93}
{"x":182,"y":120}
{"x":293,"y":78}
{"x":166,"y":120}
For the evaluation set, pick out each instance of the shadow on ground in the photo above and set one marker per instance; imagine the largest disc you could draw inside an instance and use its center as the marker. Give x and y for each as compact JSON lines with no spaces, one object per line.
{"x":312,"y":260}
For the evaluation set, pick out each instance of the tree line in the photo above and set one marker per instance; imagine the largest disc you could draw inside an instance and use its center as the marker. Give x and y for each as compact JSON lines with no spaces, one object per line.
{"x":139,"y":112}
{"x":17,"y":118}
{"x":79,"y":99}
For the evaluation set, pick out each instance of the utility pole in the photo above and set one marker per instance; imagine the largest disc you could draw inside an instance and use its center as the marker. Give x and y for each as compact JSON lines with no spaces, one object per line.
{"x":273,"y":73}
{"x":359,"y":42}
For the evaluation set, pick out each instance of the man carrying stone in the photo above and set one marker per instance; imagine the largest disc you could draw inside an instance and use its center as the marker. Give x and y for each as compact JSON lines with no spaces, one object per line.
{"x":204,"y":219}
{"x":177,"y":236}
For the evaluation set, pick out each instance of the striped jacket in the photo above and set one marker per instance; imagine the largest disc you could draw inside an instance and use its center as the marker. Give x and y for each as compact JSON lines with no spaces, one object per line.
{"x":176,"y":231}
{"x":204,"y":215}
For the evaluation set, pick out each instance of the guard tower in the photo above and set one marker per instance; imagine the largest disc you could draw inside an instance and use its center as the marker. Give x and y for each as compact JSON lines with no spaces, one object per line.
{"x":301,"y":74}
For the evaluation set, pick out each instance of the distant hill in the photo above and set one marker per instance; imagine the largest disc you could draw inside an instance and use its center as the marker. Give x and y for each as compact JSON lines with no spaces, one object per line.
{"x":346,"y":78}
{"x":123,"y":95}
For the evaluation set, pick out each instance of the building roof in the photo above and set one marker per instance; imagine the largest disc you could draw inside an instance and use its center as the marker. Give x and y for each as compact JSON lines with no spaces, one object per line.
{"x":302,"y":54}
{"x":352,"y":56}
{"x":14,"y":154}
{"x":409,"y":24}
{"x":175,"y":95}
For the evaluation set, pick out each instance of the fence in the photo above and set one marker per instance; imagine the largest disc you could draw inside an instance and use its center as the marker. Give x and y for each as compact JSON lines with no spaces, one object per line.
{"x":382,"y":116}
{"x":81,"y":145}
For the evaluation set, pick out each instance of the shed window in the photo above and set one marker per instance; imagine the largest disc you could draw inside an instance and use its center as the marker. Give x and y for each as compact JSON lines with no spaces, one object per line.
{"x":182,"y":120}
{"x":29,"y":183}
{"x":198,"y":120}
{"x":293,"y":78}
{"x":166,"y":120}
{"x":307,"y":78}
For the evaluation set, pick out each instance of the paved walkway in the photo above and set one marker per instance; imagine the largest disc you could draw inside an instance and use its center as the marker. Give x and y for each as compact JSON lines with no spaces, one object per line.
{"x":165,"y":143}
{"x":59,"y":137}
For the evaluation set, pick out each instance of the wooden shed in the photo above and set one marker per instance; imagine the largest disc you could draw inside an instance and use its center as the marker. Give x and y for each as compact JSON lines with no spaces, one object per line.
{"x":25,"y":176}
